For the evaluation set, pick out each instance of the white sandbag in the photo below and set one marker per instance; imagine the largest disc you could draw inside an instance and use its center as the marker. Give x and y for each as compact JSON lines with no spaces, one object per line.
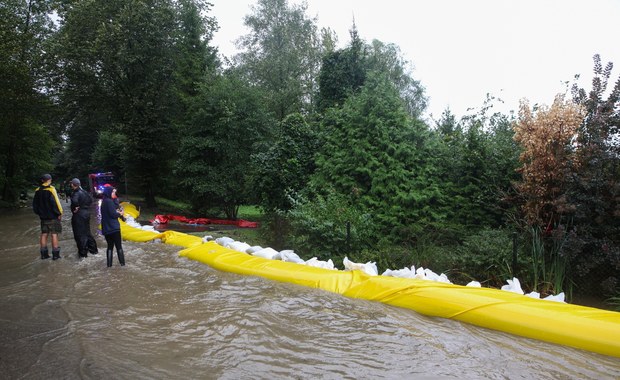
{"x":314,"y":262}
{"x":252,"y":249}
{"x":556,"y":298}
{"x":238,"y":246}
{"x":290,"y":256}
{"x":224,"y":241}
{"x":420,"y":274}
{"x":514,"y":286}
{"x":132,"y":222}
{"x":368,"y":268}
{"x":474,"y":284}
{"x":207,"y":238}
{"x":533,"y":295}
{"x":430,"y":275}
{"x":402,"y":273}
{"x":267,"y":253}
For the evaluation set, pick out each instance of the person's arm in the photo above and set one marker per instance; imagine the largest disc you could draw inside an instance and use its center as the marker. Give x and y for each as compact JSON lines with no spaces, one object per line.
{"x":35,"y":203}
{"x":75,"y":201}
{"x":108,"y":208}
{"x":56,"y":207}
{"x":119,"y":214}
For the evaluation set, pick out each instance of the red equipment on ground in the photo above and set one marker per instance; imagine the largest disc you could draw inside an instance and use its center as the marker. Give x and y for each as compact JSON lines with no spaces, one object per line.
{"x":164,"y":219}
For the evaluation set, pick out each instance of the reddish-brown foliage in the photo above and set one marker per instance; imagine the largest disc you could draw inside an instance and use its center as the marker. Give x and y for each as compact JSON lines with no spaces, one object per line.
{"x":547,"y":136}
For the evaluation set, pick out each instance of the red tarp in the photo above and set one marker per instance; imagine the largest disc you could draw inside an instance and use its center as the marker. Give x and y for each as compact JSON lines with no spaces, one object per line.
{"x":164,"y":219}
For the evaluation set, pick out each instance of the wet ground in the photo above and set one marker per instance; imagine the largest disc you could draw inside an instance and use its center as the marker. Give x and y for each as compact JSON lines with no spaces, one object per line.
{"x":166,"y":317}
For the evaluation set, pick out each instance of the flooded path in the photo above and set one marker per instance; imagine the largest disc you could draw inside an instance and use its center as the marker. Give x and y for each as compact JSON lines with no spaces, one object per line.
{"x":165,"y":317}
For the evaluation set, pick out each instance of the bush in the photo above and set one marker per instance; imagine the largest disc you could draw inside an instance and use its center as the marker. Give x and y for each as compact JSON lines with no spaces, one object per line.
{"x":487,"y":257}
{"x":328,"y":227}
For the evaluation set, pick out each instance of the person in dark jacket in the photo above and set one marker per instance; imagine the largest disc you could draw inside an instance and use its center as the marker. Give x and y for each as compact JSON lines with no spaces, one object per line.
{"x":111,"y":227}
{"x":80,"y":221}
{"x":47,"y":205}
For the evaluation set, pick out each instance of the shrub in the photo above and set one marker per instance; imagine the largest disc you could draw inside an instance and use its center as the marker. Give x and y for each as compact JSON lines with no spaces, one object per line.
{"x":328,"y":227}
{"x":487,"y":257}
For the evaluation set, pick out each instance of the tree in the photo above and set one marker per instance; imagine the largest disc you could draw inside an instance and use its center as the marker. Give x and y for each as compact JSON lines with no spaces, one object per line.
{"x":227,"y":121}
{"x":477,"y":159}
{"x":195,"y":58}
{"x":342,"y":73}
{"x":375,"y":154}
{"x":387,"y":58}
{"x":285,"y":164}
{"x":281,"y":55}
{"x":26,"y":144}
{"x":110,"y":153}
{"x":594,"y":187}
{"x":282,"y":168}
{"x":127,"y":69}
{"x":546,"y":137}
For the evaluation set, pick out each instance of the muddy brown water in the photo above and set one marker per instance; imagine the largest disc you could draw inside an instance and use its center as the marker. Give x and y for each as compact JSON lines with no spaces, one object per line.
{"x":166,"y":317}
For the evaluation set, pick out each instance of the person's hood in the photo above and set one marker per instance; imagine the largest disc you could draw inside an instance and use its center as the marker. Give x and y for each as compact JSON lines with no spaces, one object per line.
{"x":107,"y":191}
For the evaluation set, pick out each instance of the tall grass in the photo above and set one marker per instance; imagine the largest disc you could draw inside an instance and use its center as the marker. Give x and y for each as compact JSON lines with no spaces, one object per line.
{"x":538,"y":258}
{"x":550,"y":262}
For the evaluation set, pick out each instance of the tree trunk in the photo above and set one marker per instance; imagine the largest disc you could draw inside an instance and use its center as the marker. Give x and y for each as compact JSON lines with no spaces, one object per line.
{"x":149,"y":197}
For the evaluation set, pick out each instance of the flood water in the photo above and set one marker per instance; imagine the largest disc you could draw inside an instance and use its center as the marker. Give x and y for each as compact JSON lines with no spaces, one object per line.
{"x":167,"y":317}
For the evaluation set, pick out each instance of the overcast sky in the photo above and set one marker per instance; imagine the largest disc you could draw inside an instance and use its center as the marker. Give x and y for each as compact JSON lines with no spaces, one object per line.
{"x":463,"y":49}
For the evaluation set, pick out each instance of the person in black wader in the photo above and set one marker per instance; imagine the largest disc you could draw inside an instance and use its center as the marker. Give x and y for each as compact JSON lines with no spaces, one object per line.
{"x":80,"y":221}
{"x":47,"y":205}
{"x":110,"y":226}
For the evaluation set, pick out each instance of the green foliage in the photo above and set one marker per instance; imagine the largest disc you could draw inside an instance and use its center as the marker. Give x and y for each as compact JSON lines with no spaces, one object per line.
{"x":284,"y":164}
{"x":487,"y":257}
{"x":110,"y":152}
{"x":195,"y":57}
{"x":614,"y":301}
{"x":550,"y":257}
{"x":329,"y":227}
{"x":342,"y":73}
{"x":425,"y":253}
{"x":227,"y":121}
{"x":385,"y":256}
{"x":387,"y":58}
{"x":281,"y":55}
{"x":373,"y":153}
{"x":26,"y":117}
{"x":477,"y":158}
{"x":128,"y":70}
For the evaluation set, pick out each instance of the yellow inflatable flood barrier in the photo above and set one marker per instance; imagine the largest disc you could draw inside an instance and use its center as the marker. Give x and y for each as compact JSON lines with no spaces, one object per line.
{"x":576,"y":326}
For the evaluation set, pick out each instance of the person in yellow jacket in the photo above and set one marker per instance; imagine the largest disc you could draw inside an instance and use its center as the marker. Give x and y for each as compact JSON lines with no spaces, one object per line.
{"x":47,"y":205}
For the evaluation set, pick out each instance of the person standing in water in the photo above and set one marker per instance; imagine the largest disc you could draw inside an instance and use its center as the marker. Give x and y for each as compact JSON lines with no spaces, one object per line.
{"x":80,"y":221}
{"x":47,"y":205}
{"x":111,"y":227}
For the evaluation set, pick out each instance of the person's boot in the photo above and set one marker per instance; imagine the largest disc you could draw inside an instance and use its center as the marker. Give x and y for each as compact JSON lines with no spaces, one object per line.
{"x":44,"y":253}
{"x":55,"y":253}
{"x":82,"y":246}
{"x":92,"y":246}
{"x":121,"y":256}
{"x":109,"y":256}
